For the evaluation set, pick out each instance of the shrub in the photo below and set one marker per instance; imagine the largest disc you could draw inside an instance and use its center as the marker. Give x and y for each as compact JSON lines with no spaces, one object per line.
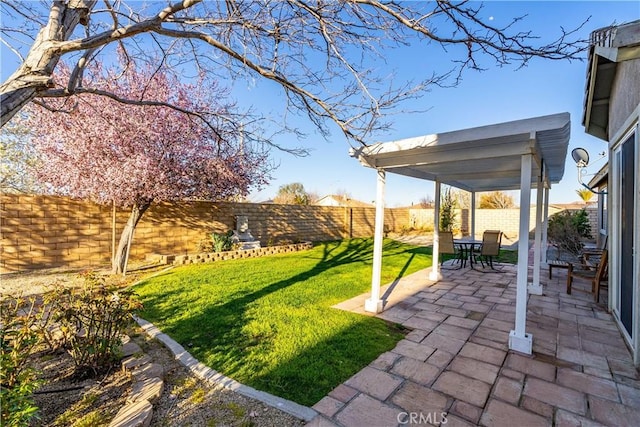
{"x":94,"y":319}
{"x":205,"y":245}
{"x":448,"y":211}
{"x":567,"y":229}
{"x":18,"y":337}
{"x":222,"y":241}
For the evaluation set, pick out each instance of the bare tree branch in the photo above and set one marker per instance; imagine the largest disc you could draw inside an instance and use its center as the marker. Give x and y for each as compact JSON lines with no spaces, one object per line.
{"x":319,"y":53}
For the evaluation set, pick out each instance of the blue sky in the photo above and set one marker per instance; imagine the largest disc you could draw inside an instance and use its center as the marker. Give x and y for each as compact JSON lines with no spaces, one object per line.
{"x":493,"y":96}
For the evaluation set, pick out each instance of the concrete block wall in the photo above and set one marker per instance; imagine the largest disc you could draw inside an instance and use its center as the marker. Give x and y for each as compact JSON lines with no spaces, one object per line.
{"x":48,"y":231}
{"x":505,"y":220}
{"x":41,"y":232}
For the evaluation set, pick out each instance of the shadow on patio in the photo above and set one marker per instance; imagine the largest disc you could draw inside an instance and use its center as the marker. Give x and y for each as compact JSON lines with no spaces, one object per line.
{"x":456,"y":363}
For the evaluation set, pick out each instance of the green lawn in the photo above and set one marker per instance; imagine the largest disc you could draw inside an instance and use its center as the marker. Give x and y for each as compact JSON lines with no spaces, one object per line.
{"x":507,"y":257}
{"x":268,"y":322}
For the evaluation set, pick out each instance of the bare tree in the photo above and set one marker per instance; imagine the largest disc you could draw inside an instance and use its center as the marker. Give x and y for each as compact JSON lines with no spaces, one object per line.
{"x":426,"y":202}
{"x":463,"y":198}
{"x":496,"y":200}
{"x":317,"y":52}
{"x":343,"y":193}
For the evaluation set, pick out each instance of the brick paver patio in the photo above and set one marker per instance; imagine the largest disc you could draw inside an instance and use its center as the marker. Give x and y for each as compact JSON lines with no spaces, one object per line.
{"x":456,"y":364}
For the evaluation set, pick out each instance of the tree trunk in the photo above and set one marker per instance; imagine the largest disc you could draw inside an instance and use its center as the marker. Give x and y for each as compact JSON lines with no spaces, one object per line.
{"x":34,"y":74}
{"x":119,"y":262}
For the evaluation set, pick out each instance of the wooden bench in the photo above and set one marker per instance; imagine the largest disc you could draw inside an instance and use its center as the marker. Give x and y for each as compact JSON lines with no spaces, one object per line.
{"x":556,"y":263}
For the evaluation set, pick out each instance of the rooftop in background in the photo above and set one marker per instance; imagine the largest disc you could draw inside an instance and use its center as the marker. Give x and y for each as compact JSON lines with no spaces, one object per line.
{"x":341,"y":200}
{"x":478,"y":159}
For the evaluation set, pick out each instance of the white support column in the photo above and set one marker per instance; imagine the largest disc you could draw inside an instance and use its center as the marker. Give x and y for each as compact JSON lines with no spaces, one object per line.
{"x":535,"y":288}
{"x":435,"y":264}
{"x":374,"y":304}
{"x":519,"y":340}
{"x":545,"y":227}
{"x":473,"y":215}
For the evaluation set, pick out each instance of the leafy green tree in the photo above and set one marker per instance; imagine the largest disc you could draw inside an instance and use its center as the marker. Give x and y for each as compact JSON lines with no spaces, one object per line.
{"x":448,"y":206}
{"x":292,"y":194}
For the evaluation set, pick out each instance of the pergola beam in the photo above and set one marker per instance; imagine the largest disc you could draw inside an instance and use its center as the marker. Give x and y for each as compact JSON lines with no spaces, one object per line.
{"x":429,"y":156}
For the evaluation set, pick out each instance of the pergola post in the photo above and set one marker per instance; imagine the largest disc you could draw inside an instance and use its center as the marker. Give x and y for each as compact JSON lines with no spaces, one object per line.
{"x":473,"y":215}
{"x":535,"y":288}
{"x":519,"y":340}
{"x":545,"y":227}
{"x":435,"y":263}
{"x":374,"y":304}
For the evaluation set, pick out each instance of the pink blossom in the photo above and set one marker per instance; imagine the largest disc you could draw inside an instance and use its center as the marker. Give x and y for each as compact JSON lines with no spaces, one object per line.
{"x":97,"y":148}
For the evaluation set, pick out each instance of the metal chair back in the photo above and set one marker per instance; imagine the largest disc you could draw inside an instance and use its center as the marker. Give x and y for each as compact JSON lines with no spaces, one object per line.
{"x":491,"y":240}
{"x":445,"y":242}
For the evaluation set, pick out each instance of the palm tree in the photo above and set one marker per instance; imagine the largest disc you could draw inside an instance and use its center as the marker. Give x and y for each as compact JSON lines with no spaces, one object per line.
{"x":585,"y":194}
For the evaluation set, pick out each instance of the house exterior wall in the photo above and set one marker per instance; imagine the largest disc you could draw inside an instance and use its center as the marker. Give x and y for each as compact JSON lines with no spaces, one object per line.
{"x":624,"y":132}
{"x":47,"y":231}
{"x":327,"y":201}
{"x":625,"y":94}
{"x":624,"y":272}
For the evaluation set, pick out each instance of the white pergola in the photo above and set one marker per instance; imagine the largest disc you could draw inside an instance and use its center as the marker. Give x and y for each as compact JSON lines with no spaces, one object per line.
{"x":518,"y":155}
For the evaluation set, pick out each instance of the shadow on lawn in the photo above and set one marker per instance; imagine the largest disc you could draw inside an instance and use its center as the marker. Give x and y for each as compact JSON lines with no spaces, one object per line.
{"x":215,"y":334}
{"x":316,"y":370}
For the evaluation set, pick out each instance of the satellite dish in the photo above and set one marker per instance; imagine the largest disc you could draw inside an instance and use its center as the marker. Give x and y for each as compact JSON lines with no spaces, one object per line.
{"x":580,"y":156}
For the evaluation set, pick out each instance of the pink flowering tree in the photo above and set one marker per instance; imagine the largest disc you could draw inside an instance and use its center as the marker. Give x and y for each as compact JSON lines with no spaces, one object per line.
{"x":183,"y":144}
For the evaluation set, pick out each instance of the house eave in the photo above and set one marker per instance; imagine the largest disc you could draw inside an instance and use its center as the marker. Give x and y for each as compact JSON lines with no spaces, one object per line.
{"x":610,"y":46}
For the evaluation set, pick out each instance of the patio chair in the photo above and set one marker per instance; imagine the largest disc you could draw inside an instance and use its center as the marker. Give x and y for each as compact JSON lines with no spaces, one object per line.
{"x":447,"y":247}
{"x":588,"y":256}
{"x":490,"y":248}
{"x":586,"y":271}
{"x":588,"y":253}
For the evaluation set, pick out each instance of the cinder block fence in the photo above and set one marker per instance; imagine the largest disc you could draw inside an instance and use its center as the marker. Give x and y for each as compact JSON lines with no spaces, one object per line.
{"x":48,"y":231}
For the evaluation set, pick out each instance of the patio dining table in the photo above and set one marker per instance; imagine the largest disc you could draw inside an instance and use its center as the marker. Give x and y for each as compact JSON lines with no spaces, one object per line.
{"x":467,"y":246}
